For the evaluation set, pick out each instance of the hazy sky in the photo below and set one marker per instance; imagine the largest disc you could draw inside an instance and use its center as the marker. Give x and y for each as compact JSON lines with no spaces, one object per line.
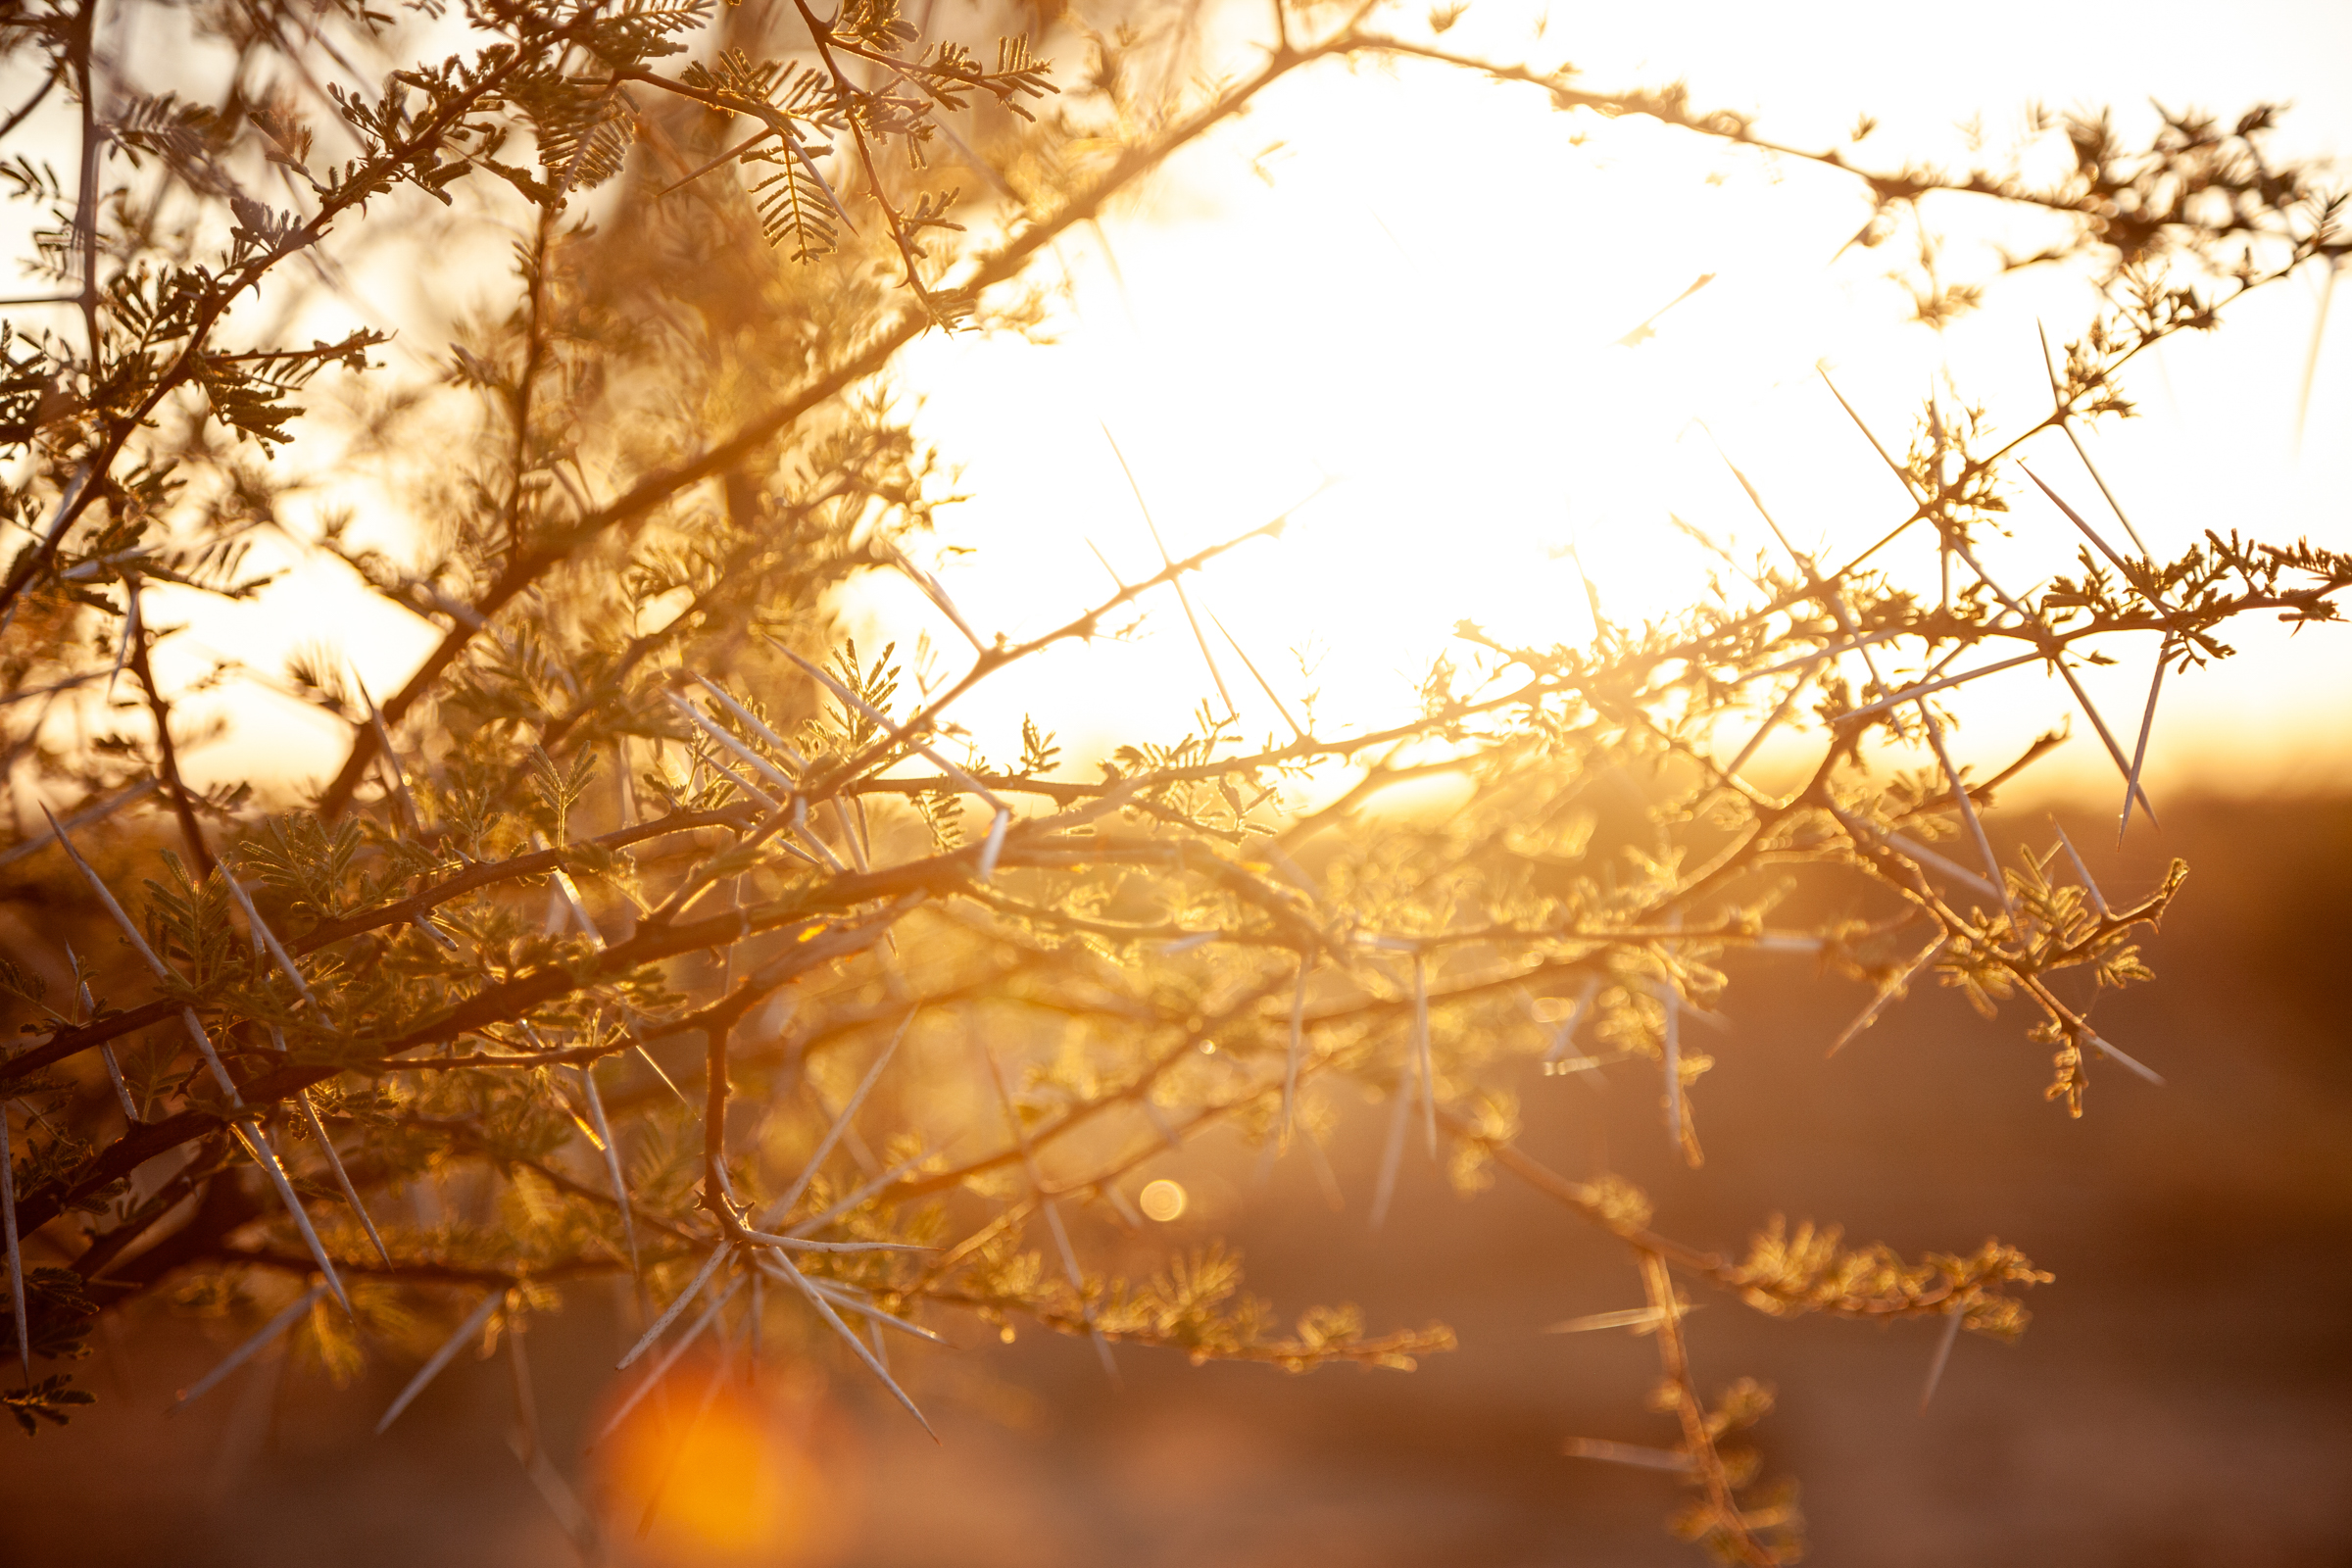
{"x":1407,"y":289}
{"x":1421,"y":295}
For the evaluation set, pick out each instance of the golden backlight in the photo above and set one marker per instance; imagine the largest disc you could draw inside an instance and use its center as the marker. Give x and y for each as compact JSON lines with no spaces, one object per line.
{"x":1477,"y":343}
{"x":1473,"y":346}
{"x":733,"y":1471}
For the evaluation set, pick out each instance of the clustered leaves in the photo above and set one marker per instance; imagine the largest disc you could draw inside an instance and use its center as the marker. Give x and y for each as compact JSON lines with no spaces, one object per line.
{"x":652,"y":930}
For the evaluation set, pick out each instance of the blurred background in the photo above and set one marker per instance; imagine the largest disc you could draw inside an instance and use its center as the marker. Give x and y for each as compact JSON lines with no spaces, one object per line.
{"x":2183,"y":1396}
{"x":1412,"y":302}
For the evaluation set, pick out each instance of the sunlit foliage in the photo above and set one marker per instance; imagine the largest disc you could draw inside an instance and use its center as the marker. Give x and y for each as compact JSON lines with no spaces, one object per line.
{"x":652,"y":931}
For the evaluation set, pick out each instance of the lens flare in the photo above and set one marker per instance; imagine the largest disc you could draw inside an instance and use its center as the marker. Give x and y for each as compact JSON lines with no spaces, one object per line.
{"x":1162,"y":1201}
{"x":727,"y":1471}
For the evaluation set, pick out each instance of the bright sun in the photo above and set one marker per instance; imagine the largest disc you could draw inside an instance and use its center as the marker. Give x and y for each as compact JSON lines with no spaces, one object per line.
{"x":1467,"y":339}
{"x":1484,"y":356}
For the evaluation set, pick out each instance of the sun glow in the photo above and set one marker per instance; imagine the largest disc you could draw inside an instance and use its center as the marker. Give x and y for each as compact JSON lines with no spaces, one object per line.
{"x":1473,"y":365}
{"x":729,"y":1472}
{"x":1476,"y":349}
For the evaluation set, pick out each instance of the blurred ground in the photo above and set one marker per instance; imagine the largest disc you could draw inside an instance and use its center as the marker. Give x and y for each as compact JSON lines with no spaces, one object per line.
{"x":2184,"y":1394}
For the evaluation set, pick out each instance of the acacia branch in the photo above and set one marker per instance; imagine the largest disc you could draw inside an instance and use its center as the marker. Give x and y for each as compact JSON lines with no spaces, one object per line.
{"x":750,"y":437}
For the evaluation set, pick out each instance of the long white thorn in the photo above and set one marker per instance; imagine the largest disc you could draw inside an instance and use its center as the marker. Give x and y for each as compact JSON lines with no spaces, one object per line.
{"x":810,"y":164}
{"x":752,"y":791}
{"x":570,"y":891}
{"x":391,"y":758}
{"x":875,"y":1314}
{"x":1772,"y":719}
{"x":442,"y":1357}
{"x":791,"y":753}
{"x":351,"y":1194}
{"x":212,"y":1057}
{"x":256,"y":1144}
{"x":1917,"y":854}
{"x":1077,"y":1280}
{"x":1130,"y":1218}
{"x":2132,"y":1062}
{"x":1168,"y":561}
{"x":668,"y":1082}
{"x":1944,"y":1353}
{"x":824,"y":1309}
{"x":2140,"y":752}
{"x":799,"y":853}
{"x":285,"y":1319}
{"x":433,"y":933}
{"x":1037,"y":1187}
{"x":1929,"y":688}
{"x":841,"y":1123}
{"x":670,"y":1315}
{"x":1639,"y":1318}
{"x":2066,"y":672}
{"x":754,"y":1319}
{"x":527,"y":1446}
{"x":694,"y":717}
{"x":1107,"y":567}
{"x":1629,"y":1453}
{"x":268,"y":939}
{"x":859,"y":1195}
{"x":106,"y":1052}
{"x":628,"y":1027}
{"x":249,"y":1130}
{"x":802,"y":1244}
{"x":849,"y":698}
{"x":1967,"y":811}
{"x":995,"y":846}
{"x":932,"y":591}
{"x":256,"y":1139}
{"x":1854,"y":644}
{"x":1263,"y":684}
{"x":849,"y":835}
{"x":96,"y":813}
{"x":2311,"y":362}
{"x":621,"y":1186}
{"x":139,"y":942}
{"x":670,"y":1359}
{"x":2113,"y":504}
{"x":2081,"y":525}
{"x":801,"y":827}
{"x":2084,"y":871}
{"x":1888,"y":993}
